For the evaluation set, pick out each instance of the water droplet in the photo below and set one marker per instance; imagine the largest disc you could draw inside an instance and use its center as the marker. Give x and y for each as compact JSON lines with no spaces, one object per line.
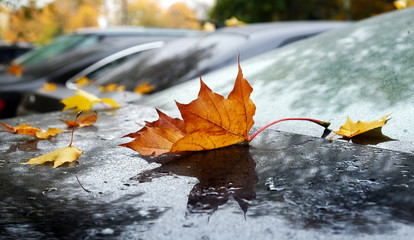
{"x":107,"y":231}
{"x":272,"y":186}
{"x":48,"y":190}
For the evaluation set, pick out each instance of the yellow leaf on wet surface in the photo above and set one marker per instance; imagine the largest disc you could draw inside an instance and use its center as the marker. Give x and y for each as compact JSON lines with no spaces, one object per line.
{"x":82,"y":122}
{"x":79,"y":103}
{"x":15,"y":70}
{"x":111,"y":102}
{"x":144,"y":88}
{"x":49,"y":133}
{"x":82,"y":81}
{"x":351,"y":129}
{"x":83,"y":101}
{"x":112,"y":87}
{"x":59,"y":157}
{"x":49,"y":87}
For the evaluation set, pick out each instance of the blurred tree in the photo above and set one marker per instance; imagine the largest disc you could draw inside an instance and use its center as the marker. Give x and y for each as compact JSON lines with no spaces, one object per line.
{"x":248,"y":11}
{"x":40,"y":25}
{"x":149,"y":13}
{"x":86,"y":16}
{"x":179,"y":15}
{"x":145,"y":13}
{"x":274,"y":10}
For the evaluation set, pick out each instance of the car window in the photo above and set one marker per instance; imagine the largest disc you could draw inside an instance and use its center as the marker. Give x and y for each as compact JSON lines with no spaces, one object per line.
{"x":57,"y":46}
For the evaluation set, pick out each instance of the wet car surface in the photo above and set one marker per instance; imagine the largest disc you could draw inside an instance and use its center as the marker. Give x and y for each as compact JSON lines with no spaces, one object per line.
{"x":282,"y":185}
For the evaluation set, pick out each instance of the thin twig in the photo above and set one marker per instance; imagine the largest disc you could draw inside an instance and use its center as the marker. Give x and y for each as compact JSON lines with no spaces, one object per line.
{"x":74,"y":126}
{"x":82,"y":185}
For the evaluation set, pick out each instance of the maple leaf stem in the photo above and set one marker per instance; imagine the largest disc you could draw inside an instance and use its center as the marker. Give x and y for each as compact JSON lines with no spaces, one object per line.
{"x":322,"y":123}
{"x":7,"y":131}
{"x":74,"y":126}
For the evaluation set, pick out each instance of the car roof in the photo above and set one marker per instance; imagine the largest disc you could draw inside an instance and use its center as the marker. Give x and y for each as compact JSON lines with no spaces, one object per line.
{"x":188,"y":57}
{"x":363,"y":71}
{"x":129,"y":30}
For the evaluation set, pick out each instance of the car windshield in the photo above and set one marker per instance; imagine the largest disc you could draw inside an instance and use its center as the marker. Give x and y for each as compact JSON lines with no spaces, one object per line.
{"x":186,"y":58}
{"x":363,"y":71}
{"x":59,"y":45}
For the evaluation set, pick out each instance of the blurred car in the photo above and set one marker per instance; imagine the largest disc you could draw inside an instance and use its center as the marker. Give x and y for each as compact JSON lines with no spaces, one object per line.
{"x":65,"y":65}
{"x":8,"y":52}
{"x":364,"y":71}
{"x":186,"y":58}
{"x":182,"y":59}
{"x":87,"y":37}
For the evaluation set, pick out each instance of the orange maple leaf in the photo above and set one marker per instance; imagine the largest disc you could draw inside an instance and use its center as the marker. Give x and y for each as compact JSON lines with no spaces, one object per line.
{"x":49,"y":87}
{"x":22,"y":129}
{"x":211,"y":121}
{"x":15,"y":70}
{"x":112,"y":87}
{"x":157,"y":137}
{"x":144,"y":88}
{"x":32,"y":131}
{"x":82,"y":122}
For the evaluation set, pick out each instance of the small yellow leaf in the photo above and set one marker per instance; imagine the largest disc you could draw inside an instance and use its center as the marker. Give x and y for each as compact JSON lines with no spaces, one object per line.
{"x":144,"y":88}
{"x":111,"y":102}
{"x":351,"y":129}
{"x":15,"y":70}
{"x":112,"y":87}
{"x":83,"y":101}
{"x":400,"y":4}
{"x":87,"y":95}
{"x":80,"y":103}
{"x":82,"y":81}
{"x":233,"y":22}
{"x":59,"y":157}
{"x":26,"y":129}
{"x":49,"y":133}
{"x":209,"y":27}
{"x":82,"y":122}
{"x":49,"y":87}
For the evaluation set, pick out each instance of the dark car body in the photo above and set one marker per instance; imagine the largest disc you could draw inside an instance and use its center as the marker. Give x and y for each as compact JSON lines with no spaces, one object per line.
{"x":8,"y":52}
{"x":182,"y":59}
{"x":280,"y":185}
{"x":60,"y":68}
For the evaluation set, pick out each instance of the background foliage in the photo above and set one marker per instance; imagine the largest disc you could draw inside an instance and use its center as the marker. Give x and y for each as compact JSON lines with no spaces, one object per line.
{"x":274,"y":10}
{"x":32,"y":23}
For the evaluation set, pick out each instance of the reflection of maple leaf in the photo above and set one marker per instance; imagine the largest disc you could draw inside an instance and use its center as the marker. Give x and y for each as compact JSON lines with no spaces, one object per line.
{"x":32,"y":131}
{"x":60,"y":156}
{"x":82,"y":122}
{"x":221,"y":173}
{"x":351,"y":129}
{"x":83,"y":101}
{"x":112,"y":87}
{"x":144,"y":88}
